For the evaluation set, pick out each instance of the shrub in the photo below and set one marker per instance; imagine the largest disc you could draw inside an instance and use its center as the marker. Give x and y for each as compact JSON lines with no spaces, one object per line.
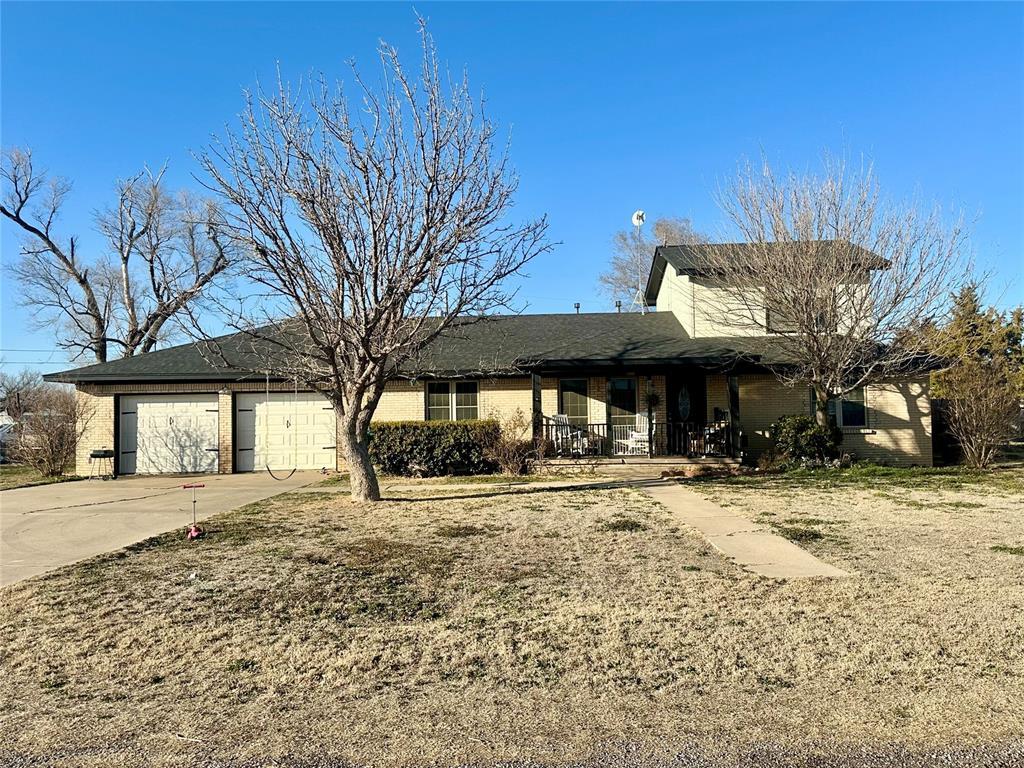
{"x":48,"y":431}
{"x":510,"y":451}
{"x":800,"y":439}
{"x":433,"y":448}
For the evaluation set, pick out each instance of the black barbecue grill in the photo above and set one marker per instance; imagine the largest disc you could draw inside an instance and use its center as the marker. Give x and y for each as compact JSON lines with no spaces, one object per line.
{"x":101,"y":464}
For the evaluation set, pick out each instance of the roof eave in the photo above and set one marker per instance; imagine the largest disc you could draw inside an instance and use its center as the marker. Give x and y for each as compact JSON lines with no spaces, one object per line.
{"x":69,"y":377}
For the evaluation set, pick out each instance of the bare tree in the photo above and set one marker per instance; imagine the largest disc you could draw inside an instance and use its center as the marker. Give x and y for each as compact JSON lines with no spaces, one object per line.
{"x":835,"y":284}
{"x":18,"y":391}
{"x":632,"y":255}
{"x":372,"y":227}
{"x":983,"y":411}
{"x":162,"y":252}
{"x":49,"y":429}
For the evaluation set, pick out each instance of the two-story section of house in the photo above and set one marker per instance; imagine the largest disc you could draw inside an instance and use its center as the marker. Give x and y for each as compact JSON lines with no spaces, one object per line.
{"x":674,"y":382}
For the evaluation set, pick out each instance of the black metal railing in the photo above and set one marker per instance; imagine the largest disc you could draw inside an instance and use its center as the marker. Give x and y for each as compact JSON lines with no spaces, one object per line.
{"x":566,"y":440}
{"x":640,"y":437}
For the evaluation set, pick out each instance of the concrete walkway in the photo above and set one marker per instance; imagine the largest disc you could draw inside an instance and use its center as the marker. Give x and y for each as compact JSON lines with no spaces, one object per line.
{"x":748,"y":544}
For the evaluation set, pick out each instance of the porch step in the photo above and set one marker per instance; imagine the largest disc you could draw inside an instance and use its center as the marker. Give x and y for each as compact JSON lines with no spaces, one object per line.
{"x":657,"y":461}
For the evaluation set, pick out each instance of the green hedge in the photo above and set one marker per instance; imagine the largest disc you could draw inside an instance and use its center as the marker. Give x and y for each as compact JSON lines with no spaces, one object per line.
{"x":434,"y":448}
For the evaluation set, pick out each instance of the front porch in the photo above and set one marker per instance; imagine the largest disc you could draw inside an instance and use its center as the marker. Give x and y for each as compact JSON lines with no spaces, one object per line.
{"x":645,"y":436}
{"x":680,"y":412}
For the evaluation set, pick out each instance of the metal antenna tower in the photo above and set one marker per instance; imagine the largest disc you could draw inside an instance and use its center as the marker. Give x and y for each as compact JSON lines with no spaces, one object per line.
{"x":639,"y":300}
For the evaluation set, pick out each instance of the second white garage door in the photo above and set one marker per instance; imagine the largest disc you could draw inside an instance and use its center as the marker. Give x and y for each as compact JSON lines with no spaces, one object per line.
{"x":284,"y":431}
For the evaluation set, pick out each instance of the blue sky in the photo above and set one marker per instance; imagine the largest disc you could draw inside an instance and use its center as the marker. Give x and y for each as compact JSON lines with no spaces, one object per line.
{"x":612,"y":107}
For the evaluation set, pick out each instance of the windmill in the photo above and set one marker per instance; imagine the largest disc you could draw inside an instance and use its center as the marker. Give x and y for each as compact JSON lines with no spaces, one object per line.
{"x":639,"y":300}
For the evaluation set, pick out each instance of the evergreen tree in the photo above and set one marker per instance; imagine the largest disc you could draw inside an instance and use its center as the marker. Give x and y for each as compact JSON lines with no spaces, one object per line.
{"x":984,"y":384}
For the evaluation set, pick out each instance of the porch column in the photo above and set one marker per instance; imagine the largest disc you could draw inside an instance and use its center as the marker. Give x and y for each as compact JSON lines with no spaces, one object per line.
{"x":610,"y":447}
{"x":649,"y":398}
{"x":537,"y":419}
{"x":734,"y":416}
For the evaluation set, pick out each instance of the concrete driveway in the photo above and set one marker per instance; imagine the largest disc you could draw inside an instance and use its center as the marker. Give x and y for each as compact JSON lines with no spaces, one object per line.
{"x":47,"y":526}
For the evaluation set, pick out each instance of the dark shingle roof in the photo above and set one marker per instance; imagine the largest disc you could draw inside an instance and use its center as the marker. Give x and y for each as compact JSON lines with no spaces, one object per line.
{"x":692,"y":259}
{"x":494,"y":345}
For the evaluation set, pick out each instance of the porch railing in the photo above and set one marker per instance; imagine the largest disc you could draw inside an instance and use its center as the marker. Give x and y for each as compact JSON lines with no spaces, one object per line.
{"x":690,"y":439}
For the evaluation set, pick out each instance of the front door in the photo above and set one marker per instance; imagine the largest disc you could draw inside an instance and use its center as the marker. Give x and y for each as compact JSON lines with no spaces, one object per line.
{"x":687,"y":410}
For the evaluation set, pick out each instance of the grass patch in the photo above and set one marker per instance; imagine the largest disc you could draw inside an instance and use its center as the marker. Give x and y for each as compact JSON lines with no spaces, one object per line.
{"x":342,"y":479}
{"x":811,"y":521}
{"x":874,"y":476}
{"x":22,"y":476}
{"x":901,"y":500}
{"x":1008,"y":550}
{"x":623,"y":525}
{"x":461,"y":531}
{"x":339,"y":478}
{"x":798,"y":534}
{"x":243,"y":665}
{"x":53,"y":682}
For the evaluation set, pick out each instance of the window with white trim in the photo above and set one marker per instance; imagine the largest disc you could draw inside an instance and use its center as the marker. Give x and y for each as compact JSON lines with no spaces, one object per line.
{"x":452,"y":401}
{"x":848,"y":411}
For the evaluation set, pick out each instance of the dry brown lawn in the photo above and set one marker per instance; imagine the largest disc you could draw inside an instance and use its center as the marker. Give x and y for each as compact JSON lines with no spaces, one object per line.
{"x":22,"y":476}
{"x":479,"y":625}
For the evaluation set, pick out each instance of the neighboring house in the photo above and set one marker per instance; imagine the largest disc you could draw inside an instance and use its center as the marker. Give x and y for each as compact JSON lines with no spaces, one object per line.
{"x":7,"y":433}
{"x":667,"y":383}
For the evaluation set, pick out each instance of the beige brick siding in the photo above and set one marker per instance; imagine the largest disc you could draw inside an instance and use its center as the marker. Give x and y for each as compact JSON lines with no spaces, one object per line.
{"x":597,"y":393}
{"x":717,"y":395}
{"x":898,"y":432}
{"x":98,"y":434}
{"x":762,"y":401}
{"x":225,"y":430}
{"x":501,"y":398}
{"x":549,"y":395}
{"x":498,"y":399}
{"x":401,"y":401}
{"x":899,"y":427}
{"x":658,"y":388}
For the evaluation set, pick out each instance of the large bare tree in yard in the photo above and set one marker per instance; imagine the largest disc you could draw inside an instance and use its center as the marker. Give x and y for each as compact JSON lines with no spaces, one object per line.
{"x":160,"y":253}
{"x":632,"y":252}
{"x":836,"y":282}
{"x":372,"y":222}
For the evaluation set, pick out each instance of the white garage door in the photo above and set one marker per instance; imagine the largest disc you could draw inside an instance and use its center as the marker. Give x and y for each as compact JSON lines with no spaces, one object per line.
{"x":284,"y":431}
{"x":168,"y":433}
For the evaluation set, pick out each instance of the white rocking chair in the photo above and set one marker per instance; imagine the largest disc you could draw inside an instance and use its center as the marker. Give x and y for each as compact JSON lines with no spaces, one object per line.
{"x":638,"y":440}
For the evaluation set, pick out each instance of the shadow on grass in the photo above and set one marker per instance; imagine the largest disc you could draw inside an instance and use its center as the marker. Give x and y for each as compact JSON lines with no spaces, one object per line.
{"x":525,"y":490}
{"x":874,"y":476}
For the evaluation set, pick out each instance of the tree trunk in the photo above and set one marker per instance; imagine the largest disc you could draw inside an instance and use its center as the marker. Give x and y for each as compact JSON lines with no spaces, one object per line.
{"x":821,"y":406}
{"x":362,"y":478}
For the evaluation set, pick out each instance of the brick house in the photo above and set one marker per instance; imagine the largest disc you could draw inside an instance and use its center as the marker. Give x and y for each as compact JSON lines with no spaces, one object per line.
{"x":667,"y":383}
